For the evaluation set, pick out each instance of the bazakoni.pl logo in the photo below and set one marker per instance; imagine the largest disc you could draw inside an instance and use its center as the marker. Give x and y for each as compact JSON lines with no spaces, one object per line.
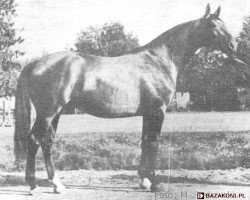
{"x":200,"y":195}
{"x":226,"y":195}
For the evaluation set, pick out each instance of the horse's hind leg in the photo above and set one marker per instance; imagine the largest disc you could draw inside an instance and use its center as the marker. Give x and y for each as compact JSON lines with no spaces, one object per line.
{"x":46,"y":141}
{"x":152,"y":123}
{"x":32,"y":146}
{"x":55,"y":121}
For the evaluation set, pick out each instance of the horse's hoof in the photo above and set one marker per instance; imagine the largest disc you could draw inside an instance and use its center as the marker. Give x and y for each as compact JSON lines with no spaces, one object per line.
{"x":58,"y":186}
{"x":35,"y":191}
{"x":145,"y":184}
{"x":59,"y":189}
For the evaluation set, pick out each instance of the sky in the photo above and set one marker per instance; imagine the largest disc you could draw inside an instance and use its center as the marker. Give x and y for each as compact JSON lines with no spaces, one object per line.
{"x":53,"y":25}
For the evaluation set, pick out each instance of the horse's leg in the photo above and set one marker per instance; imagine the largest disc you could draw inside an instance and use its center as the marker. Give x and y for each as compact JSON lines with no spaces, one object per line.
{"x":32,"y":146}
{"x":46,"y":144}
{"x":55,"y":121}
{"x":142,"y":171}
{"x":152,"y":123}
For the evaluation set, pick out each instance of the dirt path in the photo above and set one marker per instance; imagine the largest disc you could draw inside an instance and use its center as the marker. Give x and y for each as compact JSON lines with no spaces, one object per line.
{"x":123,"y":185}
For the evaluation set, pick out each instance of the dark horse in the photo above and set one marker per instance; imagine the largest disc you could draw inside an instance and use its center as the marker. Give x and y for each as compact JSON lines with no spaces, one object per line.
{"x":139,"y":83}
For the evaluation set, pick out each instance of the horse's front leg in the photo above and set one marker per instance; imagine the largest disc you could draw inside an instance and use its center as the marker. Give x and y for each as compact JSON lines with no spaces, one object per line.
{"x":152,"y":123}
{"x":46,"y":144}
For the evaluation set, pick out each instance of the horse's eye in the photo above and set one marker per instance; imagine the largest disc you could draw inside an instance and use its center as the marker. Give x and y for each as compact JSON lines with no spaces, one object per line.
{"x":211,"y":25}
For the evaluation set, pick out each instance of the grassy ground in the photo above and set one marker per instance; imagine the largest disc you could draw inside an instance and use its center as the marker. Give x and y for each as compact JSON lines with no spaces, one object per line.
{"x":115,"y":151}
{"x":122,"y":151}
{"x":199,"y":141}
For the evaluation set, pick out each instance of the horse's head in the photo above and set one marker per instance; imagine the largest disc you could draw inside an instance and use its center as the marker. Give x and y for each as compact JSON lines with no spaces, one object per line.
{"x":211,"y":31}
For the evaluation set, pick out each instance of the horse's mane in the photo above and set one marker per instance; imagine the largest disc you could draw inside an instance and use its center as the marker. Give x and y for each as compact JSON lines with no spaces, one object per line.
{"x":164,"y":37}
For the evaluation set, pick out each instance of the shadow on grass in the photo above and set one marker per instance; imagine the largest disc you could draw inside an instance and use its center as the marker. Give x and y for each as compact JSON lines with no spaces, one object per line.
{"x":183,"y":180}
{"x":107,"y":188}
{"x":13,"y":192}
{"x":116,"y":183}
{"x":123,"y":183}
{"x":8,"y":181}
{"x":17,"y":180}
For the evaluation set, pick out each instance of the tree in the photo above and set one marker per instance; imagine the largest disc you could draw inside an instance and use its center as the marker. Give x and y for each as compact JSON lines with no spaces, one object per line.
{"x":210,"y":80}
{"x":244,"y":41}
{"x":108,"y":40}
{"x":9,"y":67}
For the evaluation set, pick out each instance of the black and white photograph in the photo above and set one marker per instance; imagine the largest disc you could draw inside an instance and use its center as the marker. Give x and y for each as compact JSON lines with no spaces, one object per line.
{"x":124,"y":99}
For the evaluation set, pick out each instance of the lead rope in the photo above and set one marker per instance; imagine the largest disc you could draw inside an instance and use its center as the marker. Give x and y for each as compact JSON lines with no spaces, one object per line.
{"x":171,"y":131}
{"x":169,"y":151}
{"x":173,"y":46}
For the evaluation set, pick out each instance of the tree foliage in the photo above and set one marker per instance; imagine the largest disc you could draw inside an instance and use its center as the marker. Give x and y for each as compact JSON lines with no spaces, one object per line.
{"x":244,"y":41}
{"x":8,"y":38}
{"x":210,"y":80}
{"x":108,"y":40}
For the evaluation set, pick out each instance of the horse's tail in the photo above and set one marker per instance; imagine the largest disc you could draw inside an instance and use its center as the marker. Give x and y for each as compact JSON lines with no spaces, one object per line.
{"x":22,"y":119}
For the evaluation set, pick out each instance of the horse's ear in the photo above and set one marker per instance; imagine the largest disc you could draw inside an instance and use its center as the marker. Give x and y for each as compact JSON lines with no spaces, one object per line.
{"x":207,"y":12}
{"x":217,"y":12}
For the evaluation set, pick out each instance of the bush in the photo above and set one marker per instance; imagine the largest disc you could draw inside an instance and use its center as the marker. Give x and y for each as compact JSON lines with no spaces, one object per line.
{"x":114,"y":151}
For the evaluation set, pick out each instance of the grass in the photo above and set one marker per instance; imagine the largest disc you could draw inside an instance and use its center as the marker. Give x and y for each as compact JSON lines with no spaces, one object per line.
{"x":200,"y":141}
{"x":115,"y":151}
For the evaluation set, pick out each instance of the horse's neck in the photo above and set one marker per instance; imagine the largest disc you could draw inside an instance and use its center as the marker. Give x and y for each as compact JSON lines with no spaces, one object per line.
{"x":174,"y":44}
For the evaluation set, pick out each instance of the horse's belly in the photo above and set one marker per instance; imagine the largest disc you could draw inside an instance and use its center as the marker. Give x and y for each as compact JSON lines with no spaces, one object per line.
{"x":107,"y":103}
{"x":111,"y":93}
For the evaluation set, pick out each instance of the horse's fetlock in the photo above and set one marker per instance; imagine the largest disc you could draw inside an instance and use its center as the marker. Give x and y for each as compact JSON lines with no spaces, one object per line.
{"x":142,"y":172}
{"x":30,"y":178}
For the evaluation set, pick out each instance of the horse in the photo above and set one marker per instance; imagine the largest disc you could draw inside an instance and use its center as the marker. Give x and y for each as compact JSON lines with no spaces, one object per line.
{"x":141,"y":82}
